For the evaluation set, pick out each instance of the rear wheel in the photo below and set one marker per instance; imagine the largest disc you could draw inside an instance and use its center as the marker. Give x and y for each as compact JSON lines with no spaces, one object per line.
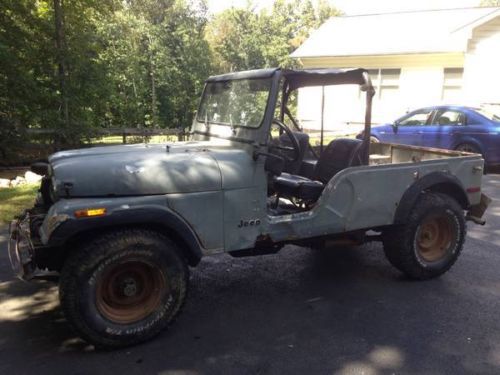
{"x":468,"y":147}
{"x":430,"y":241}
{"x":124,"y":287}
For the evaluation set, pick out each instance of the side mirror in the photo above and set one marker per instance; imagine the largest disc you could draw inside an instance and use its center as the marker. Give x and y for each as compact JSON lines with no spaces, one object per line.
{"x":274,"y":164}
{"x":395,"y":126}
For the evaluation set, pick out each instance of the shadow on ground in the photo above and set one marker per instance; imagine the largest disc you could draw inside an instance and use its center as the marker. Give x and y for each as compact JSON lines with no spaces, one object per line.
{"x":298,"y":311}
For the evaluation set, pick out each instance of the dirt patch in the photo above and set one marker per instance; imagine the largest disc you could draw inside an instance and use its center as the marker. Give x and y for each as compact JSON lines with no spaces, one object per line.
{"x":11,"y":173}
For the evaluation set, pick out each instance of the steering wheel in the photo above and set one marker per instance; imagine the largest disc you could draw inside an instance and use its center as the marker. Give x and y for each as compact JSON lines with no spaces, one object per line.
{"x":356,"y":157}
{"x":289,"y":153}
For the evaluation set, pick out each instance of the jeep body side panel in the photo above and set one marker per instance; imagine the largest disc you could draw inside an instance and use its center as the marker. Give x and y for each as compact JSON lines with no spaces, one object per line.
{"x":244,"y":184}
{"x":146,"y":211}
{"x":204,"y":213}
{"x":368,"y":197}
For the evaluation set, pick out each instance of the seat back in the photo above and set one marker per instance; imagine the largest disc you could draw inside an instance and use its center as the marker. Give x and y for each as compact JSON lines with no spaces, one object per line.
{"x":335,"y":157}
{"x":293,"y":167}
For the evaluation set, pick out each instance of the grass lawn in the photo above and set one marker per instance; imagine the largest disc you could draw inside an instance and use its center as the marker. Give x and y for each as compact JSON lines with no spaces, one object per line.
{"x":14,"y":200}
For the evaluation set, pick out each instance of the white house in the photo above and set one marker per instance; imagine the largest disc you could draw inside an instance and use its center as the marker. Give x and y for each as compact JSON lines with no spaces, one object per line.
{"x":415,"y":59}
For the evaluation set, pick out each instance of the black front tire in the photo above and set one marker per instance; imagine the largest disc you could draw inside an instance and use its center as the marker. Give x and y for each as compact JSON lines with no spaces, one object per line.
{"x":123,"y":287}
{"x":430,"y":241}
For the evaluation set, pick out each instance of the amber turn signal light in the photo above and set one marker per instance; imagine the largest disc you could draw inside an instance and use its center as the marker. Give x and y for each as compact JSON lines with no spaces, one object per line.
{"x":90,"y":212}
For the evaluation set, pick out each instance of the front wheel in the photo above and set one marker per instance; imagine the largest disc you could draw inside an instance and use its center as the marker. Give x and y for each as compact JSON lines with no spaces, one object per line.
{"x":429,"y":243}
{"x":123,"y":287}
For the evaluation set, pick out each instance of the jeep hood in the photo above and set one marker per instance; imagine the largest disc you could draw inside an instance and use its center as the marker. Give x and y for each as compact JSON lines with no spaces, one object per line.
{"x":130,"y":170}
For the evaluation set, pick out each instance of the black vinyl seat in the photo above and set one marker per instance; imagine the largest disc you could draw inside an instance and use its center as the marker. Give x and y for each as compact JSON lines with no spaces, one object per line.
{"x":291,"y":185}
{"x":338,"y":155}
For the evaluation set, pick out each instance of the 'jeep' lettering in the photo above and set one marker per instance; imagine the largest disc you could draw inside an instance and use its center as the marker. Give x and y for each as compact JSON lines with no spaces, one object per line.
{"x":249,"y":223}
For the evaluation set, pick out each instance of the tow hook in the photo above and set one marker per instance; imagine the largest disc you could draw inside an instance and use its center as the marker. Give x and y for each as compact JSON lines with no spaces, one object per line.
{"x":475,"y":219}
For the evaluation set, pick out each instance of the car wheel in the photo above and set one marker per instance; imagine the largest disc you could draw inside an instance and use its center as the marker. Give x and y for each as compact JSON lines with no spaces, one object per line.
{"x":429,"y":243}
{"x":374,"y":139}
{"x":124,"y":287}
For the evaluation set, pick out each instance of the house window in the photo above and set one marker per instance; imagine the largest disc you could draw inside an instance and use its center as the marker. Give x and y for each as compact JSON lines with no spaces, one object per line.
{"x":385,"y":82}
{"x":452,"y":84}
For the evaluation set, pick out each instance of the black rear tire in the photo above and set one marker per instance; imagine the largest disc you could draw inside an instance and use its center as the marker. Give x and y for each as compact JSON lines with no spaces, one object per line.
{"x":123,"y":287}
{"x":431,"y":240}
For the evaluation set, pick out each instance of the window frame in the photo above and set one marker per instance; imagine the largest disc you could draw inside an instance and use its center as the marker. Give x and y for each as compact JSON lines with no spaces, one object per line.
{"x":376,"y":76}
{"x":430,"y":117}
{"x":452,"y":86}
{"x":439,"y":112}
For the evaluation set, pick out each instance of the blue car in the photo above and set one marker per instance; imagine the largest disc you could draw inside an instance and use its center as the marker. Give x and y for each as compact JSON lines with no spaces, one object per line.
{"x":450,"y":127}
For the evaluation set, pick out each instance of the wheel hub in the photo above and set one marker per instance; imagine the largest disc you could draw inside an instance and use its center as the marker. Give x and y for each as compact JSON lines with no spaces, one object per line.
{"x":129,"y":287}
{"x":129,"y":291}
{"x":434,"y":238}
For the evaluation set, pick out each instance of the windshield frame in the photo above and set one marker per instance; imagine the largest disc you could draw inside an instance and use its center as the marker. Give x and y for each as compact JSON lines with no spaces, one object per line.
{"x":234,"y":126}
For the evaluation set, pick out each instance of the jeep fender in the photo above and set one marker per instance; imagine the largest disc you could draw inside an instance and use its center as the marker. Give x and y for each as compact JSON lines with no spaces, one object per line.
{"x":439,"y":182}
{"x":162,"y":219}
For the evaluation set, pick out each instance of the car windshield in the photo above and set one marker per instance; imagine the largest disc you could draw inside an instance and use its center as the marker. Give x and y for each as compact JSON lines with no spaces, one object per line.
{"x":235,"y":103}
{"x":490,"y":113}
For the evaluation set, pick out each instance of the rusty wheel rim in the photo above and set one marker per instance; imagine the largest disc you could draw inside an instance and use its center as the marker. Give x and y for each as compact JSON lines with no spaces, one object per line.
{"x":130,"y":291}
{"x":434,"y":238}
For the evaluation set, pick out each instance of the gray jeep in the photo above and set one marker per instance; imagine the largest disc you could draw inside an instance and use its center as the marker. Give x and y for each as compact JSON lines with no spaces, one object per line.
{"x":120,"y":225}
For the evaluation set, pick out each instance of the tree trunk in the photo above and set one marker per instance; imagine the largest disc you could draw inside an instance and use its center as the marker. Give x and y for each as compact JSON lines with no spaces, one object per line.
{"x":153,"y":98}
{"x":154,"y":105}
{"x":62,"y":66}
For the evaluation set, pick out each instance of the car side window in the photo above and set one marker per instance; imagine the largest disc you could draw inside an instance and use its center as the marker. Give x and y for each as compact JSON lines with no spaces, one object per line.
{"x":415,"y":119}
{"x":450,"y":117}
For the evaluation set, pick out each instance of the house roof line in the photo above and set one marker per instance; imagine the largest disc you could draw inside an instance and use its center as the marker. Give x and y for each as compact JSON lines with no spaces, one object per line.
{"x":480,"y":19}
{"x":386,"y":54}
{"x":396,"y":33}
{"x":415,"y":11}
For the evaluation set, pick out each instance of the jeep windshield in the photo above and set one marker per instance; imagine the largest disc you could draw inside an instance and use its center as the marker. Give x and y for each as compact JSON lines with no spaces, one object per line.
{"x":235,"y":102}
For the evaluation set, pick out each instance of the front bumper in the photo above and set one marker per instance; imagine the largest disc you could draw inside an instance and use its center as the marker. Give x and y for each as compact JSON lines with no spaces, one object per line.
{"x":21,"y":249}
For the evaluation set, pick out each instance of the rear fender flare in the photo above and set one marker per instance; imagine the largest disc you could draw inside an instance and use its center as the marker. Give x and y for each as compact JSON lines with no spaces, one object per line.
{"x":439,"y":182}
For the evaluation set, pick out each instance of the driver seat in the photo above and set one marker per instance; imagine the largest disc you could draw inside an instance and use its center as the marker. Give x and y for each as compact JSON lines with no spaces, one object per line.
{"x":338,"y":155}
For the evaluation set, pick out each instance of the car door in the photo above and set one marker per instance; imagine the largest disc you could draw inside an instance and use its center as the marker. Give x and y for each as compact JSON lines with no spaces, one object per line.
{"x":445,"y":125}
{"x":408,"y":129}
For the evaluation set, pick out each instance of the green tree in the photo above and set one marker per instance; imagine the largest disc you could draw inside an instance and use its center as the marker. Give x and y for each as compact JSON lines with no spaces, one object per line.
{"x":158,"y":60}
{"x":243,"y":39}
{"x":81,"y":64}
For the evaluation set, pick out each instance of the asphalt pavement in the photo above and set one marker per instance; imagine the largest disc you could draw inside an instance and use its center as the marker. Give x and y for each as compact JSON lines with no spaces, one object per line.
{"x":295,"y":312}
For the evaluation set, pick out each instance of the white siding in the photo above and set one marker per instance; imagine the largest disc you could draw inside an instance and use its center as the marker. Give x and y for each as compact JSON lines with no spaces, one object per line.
{"x":482,"y":64}
{"x":344,"y":105}
{"x":420,"y":84}
{"x":421,"y":87}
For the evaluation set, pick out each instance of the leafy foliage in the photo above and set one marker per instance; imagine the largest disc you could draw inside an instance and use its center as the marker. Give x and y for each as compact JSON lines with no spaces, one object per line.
{"x":78,"y":65}
{"x":243,"y":39}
